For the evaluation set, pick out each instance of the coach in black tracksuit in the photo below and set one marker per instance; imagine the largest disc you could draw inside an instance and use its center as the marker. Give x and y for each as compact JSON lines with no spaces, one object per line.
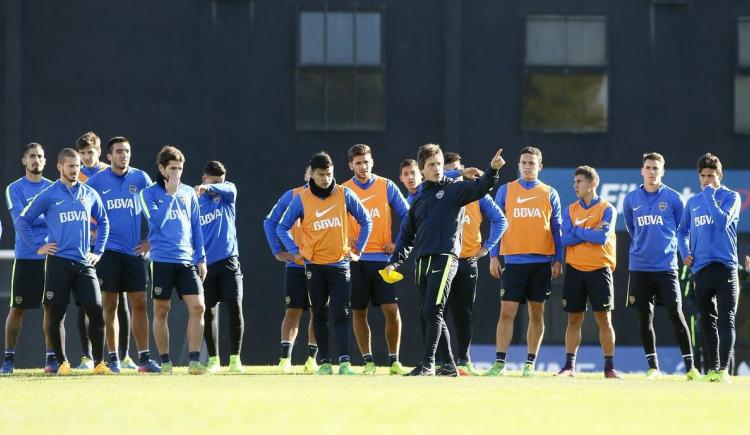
{"x":433,"y":229}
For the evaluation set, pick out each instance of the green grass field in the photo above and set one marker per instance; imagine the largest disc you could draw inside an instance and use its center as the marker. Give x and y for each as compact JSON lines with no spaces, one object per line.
{"x":259,"y":402}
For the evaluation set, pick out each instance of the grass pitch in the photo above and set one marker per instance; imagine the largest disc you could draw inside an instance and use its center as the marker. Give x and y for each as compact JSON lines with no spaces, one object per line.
{"x":260,"y":402}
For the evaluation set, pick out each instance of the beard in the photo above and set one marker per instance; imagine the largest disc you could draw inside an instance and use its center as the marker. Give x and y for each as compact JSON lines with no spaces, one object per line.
{"x":35,"y":171}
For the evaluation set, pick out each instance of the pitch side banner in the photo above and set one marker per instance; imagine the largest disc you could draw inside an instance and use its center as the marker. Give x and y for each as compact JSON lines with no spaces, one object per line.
{"x":616,"y":183}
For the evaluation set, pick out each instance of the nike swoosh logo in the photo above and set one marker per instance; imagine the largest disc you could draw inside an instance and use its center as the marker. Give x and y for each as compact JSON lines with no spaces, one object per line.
{"x":436,"y":271}
{"x":580,"y":221}
{"x":104,"y":192}
{"x":696,"y":208}
{"x":473,"y":276}
{"x":636,"y":208}
{"x":363,"y":200}
{"x":548,"y":293}
{"x":319,"y":214}
{"x":59,"y":202}
{"x":522,"y":200}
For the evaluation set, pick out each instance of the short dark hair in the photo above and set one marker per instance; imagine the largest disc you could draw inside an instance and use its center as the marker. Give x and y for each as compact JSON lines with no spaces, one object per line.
{"x":358,"y":150}
{"x":89,"y":139}
{"x":709,"y":161}
{"x":214,"y":168}
{"x":320,"y":160}
{"x":167,"y":154}
{"x":405,"y":164}
{"x":28,"y":147}
{"x":653,"y":156}
{"x":65,"y":153}
{"x":425,"y":152}
{"x":451,"y":157}
{"x":588,"y":172}
{"x":532,"y":150}
{"x":114,"y":140}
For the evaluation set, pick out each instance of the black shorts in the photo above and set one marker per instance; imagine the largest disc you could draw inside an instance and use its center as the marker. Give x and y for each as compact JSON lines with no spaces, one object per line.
{"x":526,"y":282}
{"x":63,"y":276}
{"x":295,"y":287}
{"x":27,"y":284}
{"x":648,"y":288}
{"x":120,"y":272}
{"x":167,"y":276}
{"x":368,"y":286}
{"x":223,"y":282}
{"x":596,"y":285}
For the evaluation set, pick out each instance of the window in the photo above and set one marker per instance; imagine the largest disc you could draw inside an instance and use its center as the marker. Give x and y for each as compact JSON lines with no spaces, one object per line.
{"x":565,"y":81}
{"x":339,"y":77}
{"x":742,"y":79}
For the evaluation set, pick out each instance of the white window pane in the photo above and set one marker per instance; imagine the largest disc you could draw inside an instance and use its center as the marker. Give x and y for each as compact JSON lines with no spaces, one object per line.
{"x":586,"y":42}
{"x":340,"y":38}
{"x":311,"y":38}
{"x":743,"y":42}
{"x":742,"y":104}
{"x":368,"y":38}
{"x":545,"y":41}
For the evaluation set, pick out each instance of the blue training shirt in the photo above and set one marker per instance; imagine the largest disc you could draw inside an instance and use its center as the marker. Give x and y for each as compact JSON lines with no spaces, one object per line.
{"x":295,"y":211}
{"x":68,"y":212}
{"x":555,"y":225}
{"x":498,"y":222}
{"x":119,"y":195}
{"x":652,"y":219}
{"x":174,"y":228}
{"x":18,"y":195}
{"x":271,"y":222}
{"x":708,"y":230}
{"x":217,"y":217}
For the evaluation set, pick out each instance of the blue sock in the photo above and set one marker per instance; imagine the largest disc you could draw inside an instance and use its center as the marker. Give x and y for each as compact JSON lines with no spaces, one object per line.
{"x":194,"y":356}
{"x":164,"y":358}
{"x":10,"y":354}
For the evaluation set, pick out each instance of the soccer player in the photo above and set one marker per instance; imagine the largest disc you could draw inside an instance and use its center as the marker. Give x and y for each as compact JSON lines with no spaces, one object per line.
{"x":588,"y":235}
{"x":433,"y":230}
{"x":89,"y":146}
{"x":295,"y":285}
{"x":68,"y":206}
{"x":652,"y":214}
{"x":464,"y":285}
{"x":380,"y":197}
{"x":27,"y":278}
{"x":178,"y":258}
{"x":217,"y":199}
{"x":410,"y":177}
{"x":532,"y":253}
{"x":322,"y":209}
{"x":707,"y":238}
{"x":122,"y":268}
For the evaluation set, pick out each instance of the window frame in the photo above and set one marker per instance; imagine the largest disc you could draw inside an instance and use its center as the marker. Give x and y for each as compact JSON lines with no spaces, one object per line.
{"x":564,"y":70}
{"x":353,"y":68}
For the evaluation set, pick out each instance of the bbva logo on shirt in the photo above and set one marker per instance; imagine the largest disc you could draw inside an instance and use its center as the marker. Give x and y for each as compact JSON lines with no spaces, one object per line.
{"x":74,"y":216}
{"x":373,"y":213}
{"x":323,"y":224}
{"x":702,"y":220}
{"x":649,"y":220}
{"x":119,"y":203}
{"x":177,"y":214}
{"x":210,"y":217}
{"x":525,"y":212}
